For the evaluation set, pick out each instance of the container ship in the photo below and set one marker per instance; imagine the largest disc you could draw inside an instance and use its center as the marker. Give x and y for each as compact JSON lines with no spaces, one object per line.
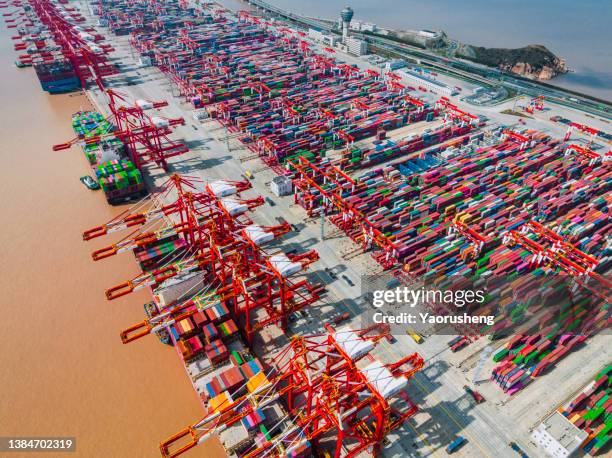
{"x":56,"y":74}
{"x":120,"y":180}
{"x":63,"y":54}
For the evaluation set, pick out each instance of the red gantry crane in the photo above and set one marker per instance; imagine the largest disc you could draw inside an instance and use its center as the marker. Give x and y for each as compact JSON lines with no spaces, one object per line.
{"x":587,"y":153}
{"x":536,"y":103}
{"x":320,"y":61}
{"x":332,"y":388}
{"x":223,"y":244}
{"x":257,"y":281}
{"x":87,"y":57}
{"x":192,"y":215}
{"x":453,"y":113}
{"x":266,"y":285}
{"x":522,"y":140}
{"x":320,"y":188}
{"x":582,"y":128}
{"x":479,"y":241}
{"x":176,"y":312}
{"x":547,"y":246}
{"x":145,"y":137}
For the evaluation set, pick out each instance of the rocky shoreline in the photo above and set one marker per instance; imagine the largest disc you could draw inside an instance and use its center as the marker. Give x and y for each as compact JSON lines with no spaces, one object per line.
{"x":532,"y":61}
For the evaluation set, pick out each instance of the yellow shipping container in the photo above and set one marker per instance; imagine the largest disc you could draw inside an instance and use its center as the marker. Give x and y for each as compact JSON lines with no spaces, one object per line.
{"x":257,"y":381}
{"x":220,"y":402}
{"x":185,"y":325}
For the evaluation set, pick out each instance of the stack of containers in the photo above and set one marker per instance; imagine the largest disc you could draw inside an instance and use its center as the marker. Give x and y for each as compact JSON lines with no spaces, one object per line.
{"x":210,"y":332}
{"x":492,"y":190}
{"x":150,"y":255}
{"x":229,"y":380}
{"x":228,"y":330}
{"x":266,"y":87}
{"x":185,"y":328}
{"x":118,"y":178}
{"x":253,"y":420}
{"x":357,"y":158}
{"x":125,"y":17}
{"x":526,"y":357}
{"x":116,"y":175}
{"x":290,"y":104}
{"x":216,"y":352}
{"x":89,"y":124}
{"x":495,"y":189}
{"x":190,"y":347}
{"x":217,"y":313}
{"x":591,"y":411}
{"x":251,"y":368}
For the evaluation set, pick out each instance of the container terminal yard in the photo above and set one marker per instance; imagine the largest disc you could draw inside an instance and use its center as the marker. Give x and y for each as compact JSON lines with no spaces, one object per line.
{"x":280,"y":172}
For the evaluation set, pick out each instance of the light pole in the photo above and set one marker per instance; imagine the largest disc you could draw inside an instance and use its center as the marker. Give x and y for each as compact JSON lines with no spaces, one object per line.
{"x":227,"y":145}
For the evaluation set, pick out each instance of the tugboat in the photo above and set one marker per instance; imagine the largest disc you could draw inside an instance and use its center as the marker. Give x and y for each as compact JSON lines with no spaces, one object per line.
{"x":163,"y":335}
{"x":90,"y":182}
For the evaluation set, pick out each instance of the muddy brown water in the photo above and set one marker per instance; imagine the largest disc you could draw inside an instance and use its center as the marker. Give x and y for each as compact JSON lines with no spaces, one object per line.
{"x":63,"y":368}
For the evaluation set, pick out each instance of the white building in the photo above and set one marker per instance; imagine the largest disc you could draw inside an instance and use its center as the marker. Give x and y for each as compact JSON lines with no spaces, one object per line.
{"x":315,"y":34}
{"x":360,"y":26}
{"x":430,"y":84}
{"x":281,"y":186}
{"x":330,"y":40}
{"x":321,"y":37}
{"x":363,"y":26}
{"x":558,"y":437}
{"x":356,"y":46}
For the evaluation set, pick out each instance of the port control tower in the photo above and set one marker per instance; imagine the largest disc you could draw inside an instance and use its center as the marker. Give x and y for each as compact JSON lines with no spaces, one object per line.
{"x":346,"y":15}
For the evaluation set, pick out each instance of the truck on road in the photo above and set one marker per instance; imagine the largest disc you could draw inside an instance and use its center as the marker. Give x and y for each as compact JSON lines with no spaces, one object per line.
{"x":478,"y":398}
{"x":454,"y":445}
{"x":416,"y":337}
{"x":514,"y":446}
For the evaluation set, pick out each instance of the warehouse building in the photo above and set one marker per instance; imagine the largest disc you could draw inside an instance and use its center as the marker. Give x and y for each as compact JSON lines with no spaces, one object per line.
{"x":281,"y":186}
{"x":430,"y":84}
{"x":322,"y":37}
{"x":356,"y":46}
{"x":429,"y":34}
{"x":363,"y":26}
